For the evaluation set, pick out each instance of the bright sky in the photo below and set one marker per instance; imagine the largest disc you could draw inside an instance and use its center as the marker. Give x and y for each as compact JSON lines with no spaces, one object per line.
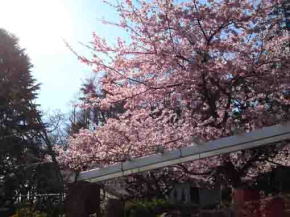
{"x":41,"y":26}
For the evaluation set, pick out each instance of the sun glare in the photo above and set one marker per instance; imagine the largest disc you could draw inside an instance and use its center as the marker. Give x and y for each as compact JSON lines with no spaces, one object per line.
{"x":40,"y":25}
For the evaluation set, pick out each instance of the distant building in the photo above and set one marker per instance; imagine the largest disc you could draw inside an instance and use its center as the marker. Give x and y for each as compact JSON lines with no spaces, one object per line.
{"x":189,"y":194}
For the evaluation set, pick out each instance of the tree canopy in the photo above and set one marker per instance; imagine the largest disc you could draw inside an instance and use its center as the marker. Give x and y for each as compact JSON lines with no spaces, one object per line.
{"x":190,"y":69}
{"x":19,"y":120}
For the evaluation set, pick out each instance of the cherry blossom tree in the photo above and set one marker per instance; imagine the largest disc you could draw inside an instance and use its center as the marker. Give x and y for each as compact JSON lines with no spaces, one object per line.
{"x":190,"y":69}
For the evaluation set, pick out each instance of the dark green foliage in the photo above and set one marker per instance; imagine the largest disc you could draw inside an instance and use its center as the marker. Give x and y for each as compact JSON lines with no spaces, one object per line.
{"x":19,"y":121}
{"x":148,"y":208}
{"x":157,"y":208}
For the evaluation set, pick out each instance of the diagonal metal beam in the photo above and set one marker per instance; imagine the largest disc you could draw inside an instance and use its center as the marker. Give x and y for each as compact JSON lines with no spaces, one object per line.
{"x":264,"y":136}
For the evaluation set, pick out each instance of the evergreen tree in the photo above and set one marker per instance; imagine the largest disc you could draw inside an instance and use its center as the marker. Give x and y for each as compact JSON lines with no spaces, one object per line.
{"x":19,"y":120}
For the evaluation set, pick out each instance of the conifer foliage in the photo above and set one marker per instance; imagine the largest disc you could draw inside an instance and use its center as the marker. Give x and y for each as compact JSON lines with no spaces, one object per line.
{"x":19,"y":119}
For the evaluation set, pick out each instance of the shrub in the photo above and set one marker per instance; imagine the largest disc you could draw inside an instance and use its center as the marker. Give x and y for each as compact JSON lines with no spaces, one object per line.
{"x":28,"y":212}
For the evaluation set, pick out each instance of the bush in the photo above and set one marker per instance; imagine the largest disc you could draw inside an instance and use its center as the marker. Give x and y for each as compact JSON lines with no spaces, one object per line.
{"x":145,"y":208}
{"x":28,"y":212}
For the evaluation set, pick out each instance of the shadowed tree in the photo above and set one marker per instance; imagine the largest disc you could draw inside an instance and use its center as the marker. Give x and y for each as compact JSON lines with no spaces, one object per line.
{"x":19,"y":120}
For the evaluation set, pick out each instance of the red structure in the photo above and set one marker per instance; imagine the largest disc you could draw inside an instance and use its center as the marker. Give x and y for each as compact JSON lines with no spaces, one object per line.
{"x":275,"y":207}
{"x":248,"y":203}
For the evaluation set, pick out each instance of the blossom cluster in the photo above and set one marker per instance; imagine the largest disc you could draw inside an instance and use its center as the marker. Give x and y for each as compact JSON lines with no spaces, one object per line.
{"x":191,"y":69}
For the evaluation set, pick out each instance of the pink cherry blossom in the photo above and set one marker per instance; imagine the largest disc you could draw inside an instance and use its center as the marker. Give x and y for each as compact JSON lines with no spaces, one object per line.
{"x":203,"y":69}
